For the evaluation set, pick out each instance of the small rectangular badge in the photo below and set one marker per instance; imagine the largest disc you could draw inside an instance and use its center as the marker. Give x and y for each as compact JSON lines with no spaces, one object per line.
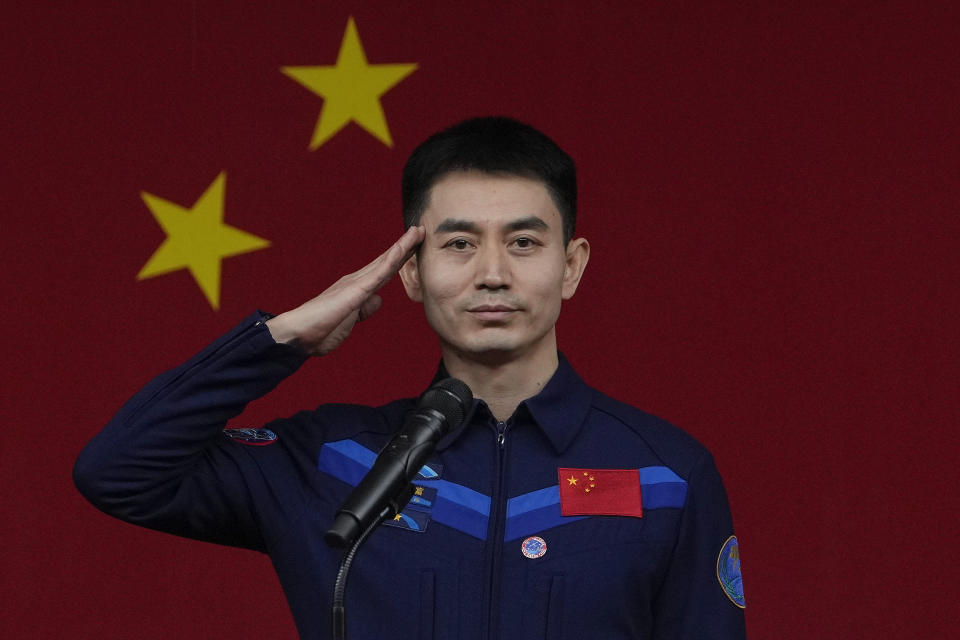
{"x":600,"y":492}
{"x":422,"y":498}
{"x":409,"y":519}
{"x":431,"y":471}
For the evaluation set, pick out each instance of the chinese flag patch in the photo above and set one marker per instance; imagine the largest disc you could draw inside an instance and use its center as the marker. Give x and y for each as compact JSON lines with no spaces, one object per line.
{"x":600,"y":492}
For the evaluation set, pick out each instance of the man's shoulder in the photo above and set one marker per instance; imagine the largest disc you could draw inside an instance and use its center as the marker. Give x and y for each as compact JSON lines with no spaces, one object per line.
{"x":382,"y":417}
{"x":678,"y":450}
{"x":331,"y":422}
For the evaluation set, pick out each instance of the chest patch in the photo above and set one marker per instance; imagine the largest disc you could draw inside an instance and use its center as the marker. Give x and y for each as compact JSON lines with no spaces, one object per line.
{"x":253,"y":437}
{"x":409,"y":519}
{"x":533,"y":547}
{"x":609,"y":492}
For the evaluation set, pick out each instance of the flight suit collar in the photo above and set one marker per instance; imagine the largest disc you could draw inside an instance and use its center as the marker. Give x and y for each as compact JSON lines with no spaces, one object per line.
{"x":559,"y":410}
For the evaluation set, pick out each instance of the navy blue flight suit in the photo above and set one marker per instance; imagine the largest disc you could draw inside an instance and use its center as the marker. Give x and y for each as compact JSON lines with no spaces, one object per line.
{"x":482,"y":552}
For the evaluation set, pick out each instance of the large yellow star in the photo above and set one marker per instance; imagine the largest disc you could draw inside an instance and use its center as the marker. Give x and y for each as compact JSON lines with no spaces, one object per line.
{"x":197,"y":239}
{"x":350,"y":89}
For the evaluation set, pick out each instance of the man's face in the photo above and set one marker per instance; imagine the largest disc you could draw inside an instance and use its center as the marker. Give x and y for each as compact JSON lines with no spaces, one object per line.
{"x":493,"y":268}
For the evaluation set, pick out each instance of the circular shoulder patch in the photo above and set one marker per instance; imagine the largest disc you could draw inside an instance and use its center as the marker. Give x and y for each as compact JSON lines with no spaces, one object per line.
{"x":255,"y":437}
{"x":534,"y":547}
{"x":728,"y":572}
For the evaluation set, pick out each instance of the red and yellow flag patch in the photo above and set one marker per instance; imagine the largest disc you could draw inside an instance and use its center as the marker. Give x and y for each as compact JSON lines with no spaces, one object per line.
{"x":600,"y":492}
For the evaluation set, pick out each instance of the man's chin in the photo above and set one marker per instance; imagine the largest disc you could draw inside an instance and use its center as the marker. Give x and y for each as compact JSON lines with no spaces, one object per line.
{"x":493,"y":347}
{"x":492,"y":352}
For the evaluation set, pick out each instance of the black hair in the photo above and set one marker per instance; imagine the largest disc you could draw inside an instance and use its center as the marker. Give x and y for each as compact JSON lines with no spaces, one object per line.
{"x":497,"y":146}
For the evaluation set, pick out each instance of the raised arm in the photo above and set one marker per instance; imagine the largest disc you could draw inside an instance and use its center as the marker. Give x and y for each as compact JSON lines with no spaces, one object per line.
{"x":163,"y":461}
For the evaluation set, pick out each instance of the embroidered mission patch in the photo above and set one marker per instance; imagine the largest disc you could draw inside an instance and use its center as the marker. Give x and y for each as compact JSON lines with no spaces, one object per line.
{"x":255,"y":437}
{"x":728,"y":572}
{"x":534,"y":547}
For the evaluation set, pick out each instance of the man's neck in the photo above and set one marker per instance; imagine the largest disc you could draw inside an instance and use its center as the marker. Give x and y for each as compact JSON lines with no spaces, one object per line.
{"x":503,"y":382}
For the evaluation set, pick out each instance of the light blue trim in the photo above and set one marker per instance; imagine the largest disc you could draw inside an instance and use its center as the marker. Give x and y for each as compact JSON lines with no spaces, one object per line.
{"x":534,"y":500}
{"x":473,"y":500}
{"x":656,"y":475}
{"x":354,"y":451}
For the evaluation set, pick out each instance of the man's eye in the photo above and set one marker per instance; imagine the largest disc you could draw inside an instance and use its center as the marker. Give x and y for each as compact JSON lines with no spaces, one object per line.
{"x":459,"y":244}
{"x":524,"y":243}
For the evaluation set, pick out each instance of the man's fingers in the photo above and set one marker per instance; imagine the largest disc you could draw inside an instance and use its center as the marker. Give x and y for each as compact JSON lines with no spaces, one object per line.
{"x":403,"y":248}
{"x":379,"y":272}
{"x":321,"y":324}
{"x":335,"y":337}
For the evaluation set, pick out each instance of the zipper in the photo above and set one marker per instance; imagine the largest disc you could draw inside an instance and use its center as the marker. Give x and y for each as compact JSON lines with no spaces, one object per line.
{"x":498,"y":503}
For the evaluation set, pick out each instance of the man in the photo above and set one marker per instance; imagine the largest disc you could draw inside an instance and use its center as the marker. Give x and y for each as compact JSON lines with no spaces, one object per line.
{"x":504,"y":538}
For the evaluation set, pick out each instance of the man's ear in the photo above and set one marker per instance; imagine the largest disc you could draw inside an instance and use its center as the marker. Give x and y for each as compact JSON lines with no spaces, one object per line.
{"x":410,"y":275}
{"x":578,"y":253}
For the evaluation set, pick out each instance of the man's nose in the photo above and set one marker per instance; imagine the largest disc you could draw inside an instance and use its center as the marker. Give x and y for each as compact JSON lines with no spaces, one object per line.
{"x":493,"y":268}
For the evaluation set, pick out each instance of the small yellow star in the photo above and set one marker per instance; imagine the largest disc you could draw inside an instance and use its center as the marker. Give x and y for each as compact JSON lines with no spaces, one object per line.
{"x":350,"y":89}
{"x":572,"y":480}
{"x":398,"y":517}
{"x":418,"y":491}
{"x":197,"y":239}
{"x":587,"y":490}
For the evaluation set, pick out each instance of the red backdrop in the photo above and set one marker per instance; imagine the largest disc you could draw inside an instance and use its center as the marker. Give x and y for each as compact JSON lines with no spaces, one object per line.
{"x":770,"y":190}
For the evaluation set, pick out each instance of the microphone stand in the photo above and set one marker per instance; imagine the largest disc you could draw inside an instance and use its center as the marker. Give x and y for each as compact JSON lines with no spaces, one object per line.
{"x":340,"y":586}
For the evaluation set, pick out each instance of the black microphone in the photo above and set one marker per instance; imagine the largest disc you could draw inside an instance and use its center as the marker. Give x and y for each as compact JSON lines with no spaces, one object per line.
{"x":381,"y":493}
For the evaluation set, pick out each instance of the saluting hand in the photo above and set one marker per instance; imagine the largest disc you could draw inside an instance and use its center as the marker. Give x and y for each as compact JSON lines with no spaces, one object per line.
{"x":320,"y":325}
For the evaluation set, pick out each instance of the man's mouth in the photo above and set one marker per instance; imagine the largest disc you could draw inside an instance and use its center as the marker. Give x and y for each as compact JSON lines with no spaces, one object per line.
{"x":492,"y":312}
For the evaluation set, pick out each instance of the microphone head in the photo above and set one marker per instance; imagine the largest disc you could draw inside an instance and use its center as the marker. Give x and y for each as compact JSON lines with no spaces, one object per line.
{"x":452,"y":398}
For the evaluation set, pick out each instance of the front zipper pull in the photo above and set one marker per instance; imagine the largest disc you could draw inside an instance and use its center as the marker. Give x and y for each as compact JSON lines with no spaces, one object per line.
{"x":501,"y":433}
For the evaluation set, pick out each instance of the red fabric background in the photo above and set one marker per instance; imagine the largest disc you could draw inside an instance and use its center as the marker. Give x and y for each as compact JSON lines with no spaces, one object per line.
{"x":770,"y":190}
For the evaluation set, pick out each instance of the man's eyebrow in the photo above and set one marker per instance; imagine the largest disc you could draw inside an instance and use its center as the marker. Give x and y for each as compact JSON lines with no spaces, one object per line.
{"x":452,"y":224}
{"x":529,"y":223}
